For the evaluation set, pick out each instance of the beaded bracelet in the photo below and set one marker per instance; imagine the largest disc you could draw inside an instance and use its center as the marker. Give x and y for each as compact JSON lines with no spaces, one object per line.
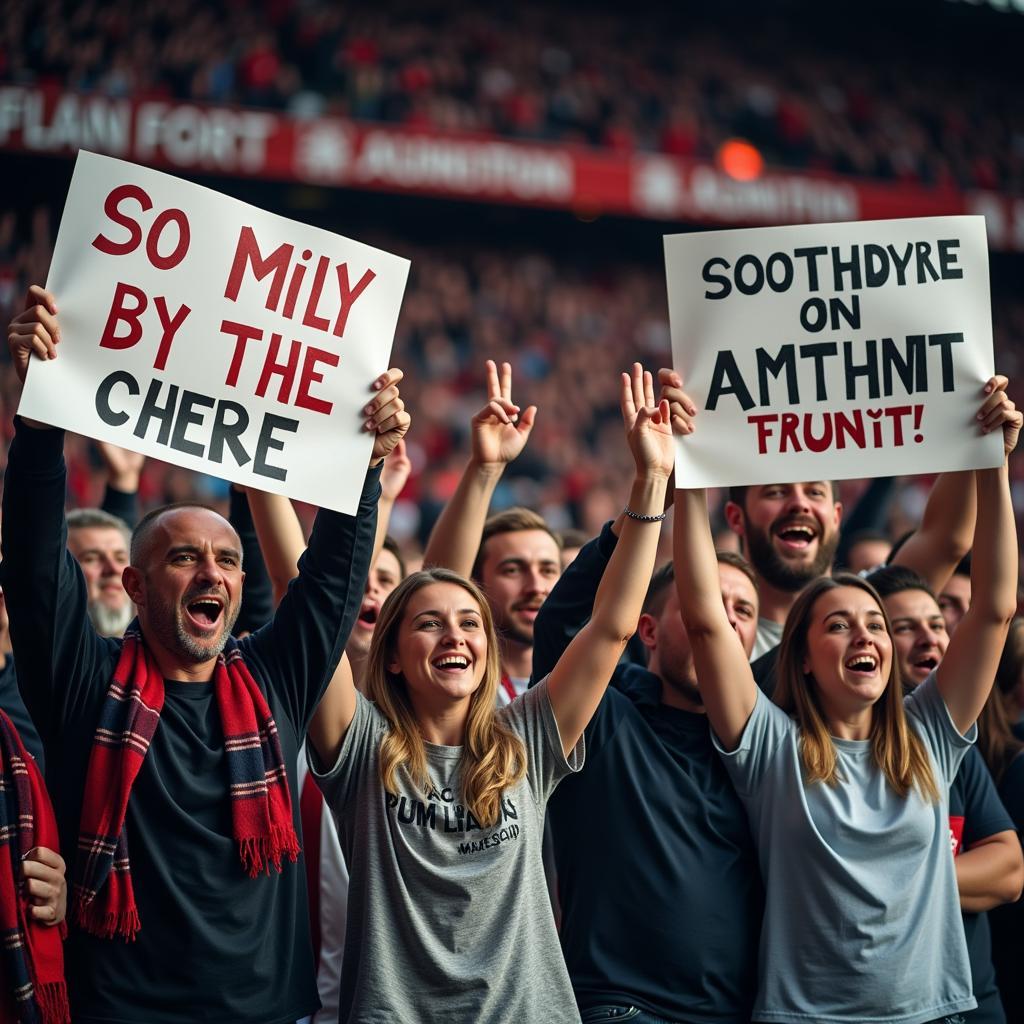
{"x":640,"y":518}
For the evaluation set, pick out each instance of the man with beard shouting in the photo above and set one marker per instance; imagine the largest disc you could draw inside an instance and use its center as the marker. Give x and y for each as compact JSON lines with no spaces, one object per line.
{"x":171,"y":754}
{"x":789,"y":533}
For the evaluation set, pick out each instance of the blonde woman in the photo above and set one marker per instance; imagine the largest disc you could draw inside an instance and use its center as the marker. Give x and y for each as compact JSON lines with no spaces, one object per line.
{"x":439,"y":797}
{"x":845,"y":780}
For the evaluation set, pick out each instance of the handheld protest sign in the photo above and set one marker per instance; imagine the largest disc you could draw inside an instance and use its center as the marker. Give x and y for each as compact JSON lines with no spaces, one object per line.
{"x":832,"y":351}
{"x":202,"y":331}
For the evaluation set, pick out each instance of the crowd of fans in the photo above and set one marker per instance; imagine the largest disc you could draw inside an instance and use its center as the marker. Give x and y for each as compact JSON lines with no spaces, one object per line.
{"x":682,"y":86}
{"x":551,"y":321}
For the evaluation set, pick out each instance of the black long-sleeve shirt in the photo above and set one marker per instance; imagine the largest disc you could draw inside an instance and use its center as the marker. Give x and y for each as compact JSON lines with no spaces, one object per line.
{"x":215,"y":945}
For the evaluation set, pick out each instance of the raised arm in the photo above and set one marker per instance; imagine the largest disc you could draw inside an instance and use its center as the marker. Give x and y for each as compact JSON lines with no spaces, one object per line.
{"x":43,"y":585}
{"x":946,"y":530}
{"x":280,"y":535}
{"x":966,"y":673}
{"x":258,"y":600}
{"x":124,"y":471}
{"x":566,"y":609}
{"x":280,"y":532}
{"x":726,"y":682}
{"x":302,"y":644}
{"x":393,"y":477}
{"x":579,"y":679}
{"x":499,"y":434}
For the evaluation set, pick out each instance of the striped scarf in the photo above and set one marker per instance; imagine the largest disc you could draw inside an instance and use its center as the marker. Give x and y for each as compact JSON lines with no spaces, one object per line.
{"x":103,"y":899}
{"x":31,"y":957}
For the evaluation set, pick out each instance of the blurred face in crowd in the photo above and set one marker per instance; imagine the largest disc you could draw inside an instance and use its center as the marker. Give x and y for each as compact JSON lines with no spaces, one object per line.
{"x":849,"y":652}
{"x":567,"y":556}
{"x":385,"y":575}
{"x":918,"y":633}
{"x":867,"y":554}
{"x":102,"y":553}
{"x":790,"y":531}
{"x":187,"y":584}
{"x":518,"y":570}
{"x":665,"y":636}
{"x":955,"y":599}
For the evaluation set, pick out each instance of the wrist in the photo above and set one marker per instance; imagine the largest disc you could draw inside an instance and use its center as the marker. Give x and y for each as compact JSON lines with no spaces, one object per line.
{"x":653,"y":475}
{"x":647,"y":495}
{"x":487,"y":471}
{"x":126,"y":483}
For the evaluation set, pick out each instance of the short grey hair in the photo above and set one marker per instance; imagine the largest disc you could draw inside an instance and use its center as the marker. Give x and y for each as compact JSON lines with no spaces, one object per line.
{"x":83,"y":518}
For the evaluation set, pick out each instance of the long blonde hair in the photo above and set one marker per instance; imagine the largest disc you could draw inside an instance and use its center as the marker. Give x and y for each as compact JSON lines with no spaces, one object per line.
{"x":897,"y":749}
{"x":493,"y":757}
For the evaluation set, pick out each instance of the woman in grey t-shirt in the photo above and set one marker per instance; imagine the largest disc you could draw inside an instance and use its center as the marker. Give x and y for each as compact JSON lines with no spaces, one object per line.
{"x":846,"y":781}
{"x":439,"y":797}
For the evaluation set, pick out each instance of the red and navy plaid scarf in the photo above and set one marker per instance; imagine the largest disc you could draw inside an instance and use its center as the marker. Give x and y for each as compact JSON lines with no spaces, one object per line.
{"x":32,"y":967}
{"x":103,"y":899}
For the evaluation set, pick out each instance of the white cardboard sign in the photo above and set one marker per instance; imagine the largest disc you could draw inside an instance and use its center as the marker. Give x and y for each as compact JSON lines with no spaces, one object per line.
{"x":202,"y":331}
{"x":832,"y":351}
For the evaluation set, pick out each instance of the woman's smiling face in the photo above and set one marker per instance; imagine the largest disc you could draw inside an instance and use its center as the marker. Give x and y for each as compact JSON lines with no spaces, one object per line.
{"x":849,"y":651}
{"x":441,"y":643}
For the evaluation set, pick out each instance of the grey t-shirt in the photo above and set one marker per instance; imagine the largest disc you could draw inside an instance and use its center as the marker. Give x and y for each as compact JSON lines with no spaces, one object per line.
{"x":448,"y":921}
{"x":769,"y":635}
{"x":862,"y":918}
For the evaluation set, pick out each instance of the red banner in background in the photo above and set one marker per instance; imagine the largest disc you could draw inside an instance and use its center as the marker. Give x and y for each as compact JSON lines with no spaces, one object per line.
{"x":243,"y":142}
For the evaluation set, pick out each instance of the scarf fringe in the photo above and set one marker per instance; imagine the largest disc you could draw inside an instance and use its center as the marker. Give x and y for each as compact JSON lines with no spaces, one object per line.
{"x":260,"y":853}
{"x":53,"y":1003}
{"x":105,"y":924}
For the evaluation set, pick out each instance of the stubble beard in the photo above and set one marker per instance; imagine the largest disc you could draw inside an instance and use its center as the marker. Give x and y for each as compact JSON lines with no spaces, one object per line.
{"x":169,"y":627}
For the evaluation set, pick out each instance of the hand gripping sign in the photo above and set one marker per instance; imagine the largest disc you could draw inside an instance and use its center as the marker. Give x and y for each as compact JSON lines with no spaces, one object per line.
{"x":205,"y":332}
{"x":832,"y":351}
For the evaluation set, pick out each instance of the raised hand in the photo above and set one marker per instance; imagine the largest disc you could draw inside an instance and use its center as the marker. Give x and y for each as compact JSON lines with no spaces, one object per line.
{"x":998,"y":412}
{"x":647,"y":423}
{"x":385,"y":415}
{"x":34,"y":331}
{"x":397,"y":467}
{"x":499,"y":433}
{"x":682,"y":409}
{"x":123,"y":467}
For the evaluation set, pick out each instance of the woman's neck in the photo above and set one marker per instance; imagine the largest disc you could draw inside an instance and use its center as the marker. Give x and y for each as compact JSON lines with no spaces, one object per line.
{"x":444,"y":725}
{"x":853,"y":725}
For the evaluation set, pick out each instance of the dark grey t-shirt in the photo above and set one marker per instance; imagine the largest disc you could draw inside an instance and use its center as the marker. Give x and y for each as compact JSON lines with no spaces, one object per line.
{"x":448,"y":921}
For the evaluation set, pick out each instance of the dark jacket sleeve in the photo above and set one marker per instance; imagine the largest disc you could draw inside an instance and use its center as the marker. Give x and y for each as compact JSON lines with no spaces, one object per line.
{"x":567,"y":609}
{"x":123,"y":504}
{"x":258,"y":592}
{"x":55,"y":645}
{"x":302,"y":644}
{"x":12,"y":703}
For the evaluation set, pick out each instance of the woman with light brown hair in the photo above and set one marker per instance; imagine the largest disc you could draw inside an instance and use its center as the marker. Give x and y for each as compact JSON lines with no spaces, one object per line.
{"x":844,"y":778}
{"x":439,"y":796}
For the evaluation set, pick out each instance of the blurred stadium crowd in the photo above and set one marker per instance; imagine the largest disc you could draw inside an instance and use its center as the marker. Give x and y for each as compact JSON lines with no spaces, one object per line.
{"x":553,"y":322}
{"x":842,"y":101}
{"x":554,"y":73}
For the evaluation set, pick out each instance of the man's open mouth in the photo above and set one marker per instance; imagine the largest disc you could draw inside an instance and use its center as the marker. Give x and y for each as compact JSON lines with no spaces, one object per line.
{"x":205,"y":612}
{"x":796,"y":535}
{"x":368,"y":616}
